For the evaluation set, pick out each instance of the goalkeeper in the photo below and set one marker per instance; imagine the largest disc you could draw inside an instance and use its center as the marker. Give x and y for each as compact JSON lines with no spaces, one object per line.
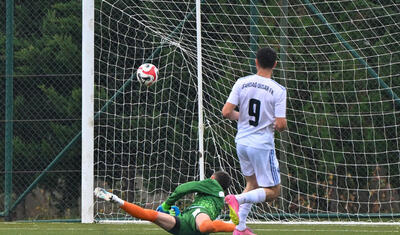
{"x":198,"y":218}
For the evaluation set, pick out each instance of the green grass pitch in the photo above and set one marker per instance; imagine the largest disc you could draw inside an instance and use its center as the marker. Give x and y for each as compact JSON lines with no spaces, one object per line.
{"x":149,"y":229}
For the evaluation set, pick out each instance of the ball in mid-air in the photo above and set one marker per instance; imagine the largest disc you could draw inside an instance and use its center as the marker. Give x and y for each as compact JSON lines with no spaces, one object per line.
{"x":147,"y":74}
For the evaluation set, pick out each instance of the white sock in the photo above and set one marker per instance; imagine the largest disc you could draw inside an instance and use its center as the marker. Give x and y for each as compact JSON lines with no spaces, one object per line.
{"x":253,"y":196}
{"x":117,"y":200}
{"x":244,"y":210}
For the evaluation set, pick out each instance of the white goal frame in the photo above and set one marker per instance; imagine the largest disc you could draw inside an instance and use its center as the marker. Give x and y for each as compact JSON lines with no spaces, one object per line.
{"x":87,"y":212}
{"x":87,"y":181}
{"x":88,"y":111}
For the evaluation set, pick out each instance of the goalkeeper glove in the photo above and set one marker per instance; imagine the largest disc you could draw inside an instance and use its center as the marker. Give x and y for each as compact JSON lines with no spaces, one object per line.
{"x":164,"y":208}
{"x":174,"y":211}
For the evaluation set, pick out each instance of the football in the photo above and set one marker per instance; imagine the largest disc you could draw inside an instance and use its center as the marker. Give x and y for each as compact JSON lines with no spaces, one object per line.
{"x":147,"y":74}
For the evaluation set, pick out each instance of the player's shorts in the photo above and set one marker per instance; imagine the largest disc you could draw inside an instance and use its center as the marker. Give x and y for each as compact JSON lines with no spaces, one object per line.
{"x":261,"y":162}
{"x":186,"y":222}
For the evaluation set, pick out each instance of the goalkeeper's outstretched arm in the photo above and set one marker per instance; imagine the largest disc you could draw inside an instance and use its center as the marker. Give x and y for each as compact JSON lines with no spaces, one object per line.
{"x":180,"y":191}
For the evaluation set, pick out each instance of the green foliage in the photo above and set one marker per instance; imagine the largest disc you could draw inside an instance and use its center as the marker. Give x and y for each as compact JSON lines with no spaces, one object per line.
{"x":47,"y":94}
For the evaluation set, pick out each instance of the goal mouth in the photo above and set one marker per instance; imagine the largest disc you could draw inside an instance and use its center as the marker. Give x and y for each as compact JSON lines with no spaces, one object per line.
{"x":339,"y":158}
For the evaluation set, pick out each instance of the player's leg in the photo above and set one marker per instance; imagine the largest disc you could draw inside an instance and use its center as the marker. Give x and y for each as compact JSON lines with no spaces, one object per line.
{"x":163,"y":220}
{"x":251,"y":183}
{"x":205,"y":225}
{"x":266,"y":169}
{"x":267,"y":173}
{"x":259,"y":195}
{"x":272,"y":193}
{"x":261,"y":169}
{"x":245,"y":208}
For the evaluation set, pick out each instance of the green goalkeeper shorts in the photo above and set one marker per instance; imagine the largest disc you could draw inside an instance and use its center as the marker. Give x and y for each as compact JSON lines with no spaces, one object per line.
{"x":186,"y":222}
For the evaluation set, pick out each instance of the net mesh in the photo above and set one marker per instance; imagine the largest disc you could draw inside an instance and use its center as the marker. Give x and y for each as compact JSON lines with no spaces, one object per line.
{"x":339,"y":61}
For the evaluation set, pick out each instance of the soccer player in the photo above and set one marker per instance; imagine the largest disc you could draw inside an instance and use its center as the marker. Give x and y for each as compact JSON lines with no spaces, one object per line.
{"x":262,"y":110}
{"x":198,"y":218}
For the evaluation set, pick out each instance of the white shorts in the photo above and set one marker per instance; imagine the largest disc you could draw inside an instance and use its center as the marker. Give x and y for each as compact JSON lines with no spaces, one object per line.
{"x":261,"y":162}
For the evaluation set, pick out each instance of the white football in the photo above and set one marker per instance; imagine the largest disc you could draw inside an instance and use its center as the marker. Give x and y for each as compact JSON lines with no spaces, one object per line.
{"x":147,"y":74}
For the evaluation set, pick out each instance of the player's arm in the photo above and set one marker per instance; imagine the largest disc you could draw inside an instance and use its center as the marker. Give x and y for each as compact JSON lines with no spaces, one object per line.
{"x":180,"y":191}
{"x":280,"y":124}
{"x":280,"y":112}
{"x":228,"y":111}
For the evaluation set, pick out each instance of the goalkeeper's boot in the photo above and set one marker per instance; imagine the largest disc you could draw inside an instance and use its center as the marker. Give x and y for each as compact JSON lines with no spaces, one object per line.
{"x":247,"y":231}
{"x":233,"y":205}
{"x":104,"y":194}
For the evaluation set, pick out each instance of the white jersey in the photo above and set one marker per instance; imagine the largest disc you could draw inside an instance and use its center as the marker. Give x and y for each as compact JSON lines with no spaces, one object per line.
{"x":260,"y":101}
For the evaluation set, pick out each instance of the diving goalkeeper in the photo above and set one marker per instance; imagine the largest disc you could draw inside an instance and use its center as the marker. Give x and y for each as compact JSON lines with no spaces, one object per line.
{"x":198,"y":218}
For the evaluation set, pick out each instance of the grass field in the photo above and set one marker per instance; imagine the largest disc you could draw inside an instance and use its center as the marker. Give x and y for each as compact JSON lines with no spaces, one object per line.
{"x":148,"y":229}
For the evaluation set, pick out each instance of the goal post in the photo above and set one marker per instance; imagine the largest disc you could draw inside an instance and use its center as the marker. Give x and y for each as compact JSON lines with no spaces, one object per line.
{"x":87,"y":180}
{"x":200,"y":89}
{"x":339,"y":158}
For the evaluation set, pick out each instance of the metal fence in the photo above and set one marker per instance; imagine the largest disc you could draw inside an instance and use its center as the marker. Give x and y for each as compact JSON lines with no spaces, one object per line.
{"x":44,"y":39}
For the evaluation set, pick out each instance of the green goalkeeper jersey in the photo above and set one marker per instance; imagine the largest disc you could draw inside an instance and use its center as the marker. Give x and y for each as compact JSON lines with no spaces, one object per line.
{"x":209,"y":196}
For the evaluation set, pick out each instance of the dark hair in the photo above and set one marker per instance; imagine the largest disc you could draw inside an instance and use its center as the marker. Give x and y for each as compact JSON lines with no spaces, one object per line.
{"x":223,"y":179}
{"x":266,"y":57}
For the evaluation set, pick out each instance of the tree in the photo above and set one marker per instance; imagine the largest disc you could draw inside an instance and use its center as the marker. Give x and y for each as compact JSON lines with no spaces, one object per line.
{"x":47,"y":91}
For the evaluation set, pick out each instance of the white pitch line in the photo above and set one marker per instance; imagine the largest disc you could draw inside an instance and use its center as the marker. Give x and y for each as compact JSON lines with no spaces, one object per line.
{"x":72,"y":229}
{"x":339,"y":223}
{"x":324,"y":230}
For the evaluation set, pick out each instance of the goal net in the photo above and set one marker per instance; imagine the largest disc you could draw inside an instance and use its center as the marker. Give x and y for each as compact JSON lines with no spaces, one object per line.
{"x":340,"y":63}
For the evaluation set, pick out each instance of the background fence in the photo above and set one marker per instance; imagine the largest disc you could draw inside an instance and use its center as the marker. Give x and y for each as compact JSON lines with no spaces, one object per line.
{"x":47,"y":108}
